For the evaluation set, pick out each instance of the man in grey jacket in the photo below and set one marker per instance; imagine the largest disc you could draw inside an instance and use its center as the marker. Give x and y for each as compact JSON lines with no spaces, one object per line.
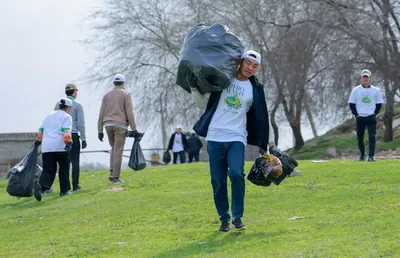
{"x":78,"y":133}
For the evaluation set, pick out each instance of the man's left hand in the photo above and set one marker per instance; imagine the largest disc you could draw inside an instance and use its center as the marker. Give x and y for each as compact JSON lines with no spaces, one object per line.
{"x":270,"y":144}
{"x":84,"y":144}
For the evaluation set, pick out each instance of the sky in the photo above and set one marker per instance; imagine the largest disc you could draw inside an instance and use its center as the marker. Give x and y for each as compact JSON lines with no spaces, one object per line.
{"x":40,"y":53}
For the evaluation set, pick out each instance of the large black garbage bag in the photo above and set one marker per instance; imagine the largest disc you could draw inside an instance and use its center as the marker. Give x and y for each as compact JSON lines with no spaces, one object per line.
{"x":166,"y":157}
{"x":136,"y":159}
{"x":209,"y":58}
{"x":258,"y":176}
{"x":22,"y":176}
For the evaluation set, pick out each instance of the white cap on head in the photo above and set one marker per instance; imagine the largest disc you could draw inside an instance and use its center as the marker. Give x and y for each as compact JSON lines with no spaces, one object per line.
{"x":119,"y":78}
{"x":179,"y":127}
{"x":366,"y":72}
{"x":192,"y":132}
{"x":252,"y":55}
{"x":66,"y":102}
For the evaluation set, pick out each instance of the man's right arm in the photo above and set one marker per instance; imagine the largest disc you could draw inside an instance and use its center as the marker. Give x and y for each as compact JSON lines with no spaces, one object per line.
{"x":199,"y":99}
{"x":352,"y":103}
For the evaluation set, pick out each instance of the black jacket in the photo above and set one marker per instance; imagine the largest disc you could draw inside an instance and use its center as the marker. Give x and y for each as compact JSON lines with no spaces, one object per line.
{"x":194,"y":144}
{"x":184,"y":141}
{"x":257,"y":116}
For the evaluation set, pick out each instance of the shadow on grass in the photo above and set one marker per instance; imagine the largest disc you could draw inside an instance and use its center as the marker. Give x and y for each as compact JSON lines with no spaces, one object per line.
{"x":217,"y":240}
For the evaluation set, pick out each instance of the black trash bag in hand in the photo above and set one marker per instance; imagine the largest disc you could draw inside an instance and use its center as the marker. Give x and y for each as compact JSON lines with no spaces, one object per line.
{"x":22,"y":176}
{"x":136,"y":159}
{"x":288,"y":163}
{"x":166,"y":157}
{"x":209,"y":58}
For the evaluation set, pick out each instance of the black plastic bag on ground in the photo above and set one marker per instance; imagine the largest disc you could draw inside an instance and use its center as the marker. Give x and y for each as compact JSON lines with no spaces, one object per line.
{"x":22,"y":176}
{"x":209,"y":58}
{"x":166,"y":157}
{"x":136,"y":159}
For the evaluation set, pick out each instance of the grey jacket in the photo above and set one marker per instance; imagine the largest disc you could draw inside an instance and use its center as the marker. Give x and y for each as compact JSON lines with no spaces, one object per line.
{"x":78,"y":118}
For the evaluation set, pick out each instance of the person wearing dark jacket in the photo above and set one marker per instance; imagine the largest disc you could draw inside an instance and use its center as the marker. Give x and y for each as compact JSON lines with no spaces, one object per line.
{"x":365,"y":102}
{"x":233,"y":118}
{"x":194,"y":147}
{"x":178,"y":144}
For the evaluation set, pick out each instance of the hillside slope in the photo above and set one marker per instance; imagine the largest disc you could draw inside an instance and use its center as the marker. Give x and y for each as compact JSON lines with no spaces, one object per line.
{"x":344,"y":139}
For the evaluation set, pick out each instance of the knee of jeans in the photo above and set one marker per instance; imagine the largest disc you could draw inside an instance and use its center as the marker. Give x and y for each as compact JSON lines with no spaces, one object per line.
{"x":236,"y":172}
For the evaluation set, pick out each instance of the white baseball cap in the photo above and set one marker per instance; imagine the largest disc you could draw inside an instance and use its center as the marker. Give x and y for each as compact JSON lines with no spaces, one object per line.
{"x":119,"y":78}
{"x":66,"y":102}
{"x":366,"y":72}
{"x":192,"y":132}
{"x":179,"y":127}
{"x":252,"y":55}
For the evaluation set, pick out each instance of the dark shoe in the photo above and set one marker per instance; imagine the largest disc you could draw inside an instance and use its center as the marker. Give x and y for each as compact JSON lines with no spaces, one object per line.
{"x":66,"y":193}
{"x":238,"y":224}
{"x":362,"y":158}
{"x":76,"y":187}
{"x":117,"y":181}
{"x":371,"y":159}
{"x":37,"y":191}
{"x":111,"y":177}
{"x":225,"y":227}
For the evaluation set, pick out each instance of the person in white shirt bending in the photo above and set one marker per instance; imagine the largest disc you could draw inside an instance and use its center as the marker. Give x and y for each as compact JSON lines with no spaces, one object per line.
{"x":55,"y":137}
{"x":233,"y":118}
{"x":365,"y":102}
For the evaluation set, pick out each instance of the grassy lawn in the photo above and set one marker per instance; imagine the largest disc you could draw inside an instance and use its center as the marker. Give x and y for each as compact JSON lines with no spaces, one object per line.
{"x":347,"y":209}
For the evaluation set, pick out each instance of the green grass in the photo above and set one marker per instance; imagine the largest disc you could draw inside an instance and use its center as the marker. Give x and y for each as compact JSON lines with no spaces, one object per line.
{"x":350,"y":209}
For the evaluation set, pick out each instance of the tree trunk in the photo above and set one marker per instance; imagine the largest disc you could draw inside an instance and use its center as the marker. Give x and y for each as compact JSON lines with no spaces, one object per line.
{"x":311,"y":119}
{"x":299,"y":141}
{"x":388,"y":116}
{"x":163,"y":125}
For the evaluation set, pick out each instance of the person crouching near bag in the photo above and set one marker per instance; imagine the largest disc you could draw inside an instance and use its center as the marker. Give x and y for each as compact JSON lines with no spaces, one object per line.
{"x":55,"y":137}
{"x":234,"y":117}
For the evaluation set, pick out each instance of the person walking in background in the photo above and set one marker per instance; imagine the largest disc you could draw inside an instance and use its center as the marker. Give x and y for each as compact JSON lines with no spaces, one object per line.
{"x":55,"y":137}
{"x":178,"y":144}
{"x":365,"y":103}
{"x":234,"y":117}
{"x":116,"y":114}
{"x":78,"y":133}
{"x":194,"y":145}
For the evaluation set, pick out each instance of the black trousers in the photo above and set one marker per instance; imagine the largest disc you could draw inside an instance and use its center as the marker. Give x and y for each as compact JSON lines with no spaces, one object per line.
{"x":181,"y":157}
{"x":195,"y":156}
{"x":368,"y":122}
{"x":74,"y":157}
{"x":50,"y":160}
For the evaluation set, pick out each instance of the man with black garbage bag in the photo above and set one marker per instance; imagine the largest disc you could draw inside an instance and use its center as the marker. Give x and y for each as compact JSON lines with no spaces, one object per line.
{"x":116,"y":113}
{"x":234,"y":117}
{"x":55,"y":137}
{"x":78,"y":133}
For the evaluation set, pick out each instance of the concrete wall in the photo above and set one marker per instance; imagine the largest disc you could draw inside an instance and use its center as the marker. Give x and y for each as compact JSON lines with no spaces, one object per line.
{"x":13,"y":147}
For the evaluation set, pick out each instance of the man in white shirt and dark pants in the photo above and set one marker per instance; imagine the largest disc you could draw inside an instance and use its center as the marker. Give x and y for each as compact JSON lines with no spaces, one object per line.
{"x":178,"y":144}
{"x":365,"y":103}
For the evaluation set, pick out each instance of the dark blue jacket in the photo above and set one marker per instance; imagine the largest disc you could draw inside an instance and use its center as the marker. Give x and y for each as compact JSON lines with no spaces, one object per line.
{"x":257,"y":116}
{"x":194,"y":144}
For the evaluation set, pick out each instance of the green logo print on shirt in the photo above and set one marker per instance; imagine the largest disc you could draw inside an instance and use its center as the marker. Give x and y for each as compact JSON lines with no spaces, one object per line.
{"x":366,"y":99}
{"x":233,"y":102}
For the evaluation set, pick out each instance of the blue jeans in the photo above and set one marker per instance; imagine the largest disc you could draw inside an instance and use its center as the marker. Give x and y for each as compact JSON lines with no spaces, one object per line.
{"x":224,"y":155}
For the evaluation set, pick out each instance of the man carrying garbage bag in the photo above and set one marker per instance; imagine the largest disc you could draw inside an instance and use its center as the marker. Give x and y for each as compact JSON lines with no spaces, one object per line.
{"x":234,"y":117}
{"x":56,"y":140}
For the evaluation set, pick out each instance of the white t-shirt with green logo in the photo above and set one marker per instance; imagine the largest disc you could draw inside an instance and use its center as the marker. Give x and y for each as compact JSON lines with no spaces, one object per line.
{"x":229,"y":121}
{"x":365,"y":99}
{"x":54,"y":127}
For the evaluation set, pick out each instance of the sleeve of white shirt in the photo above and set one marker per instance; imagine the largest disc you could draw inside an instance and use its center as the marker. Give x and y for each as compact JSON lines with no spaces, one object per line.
{"x":271,"y":133}
{"x":352,"y":98}
{"x":378,"y":99}
{"x":199,"y":99}
{"x":67,"y":123}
